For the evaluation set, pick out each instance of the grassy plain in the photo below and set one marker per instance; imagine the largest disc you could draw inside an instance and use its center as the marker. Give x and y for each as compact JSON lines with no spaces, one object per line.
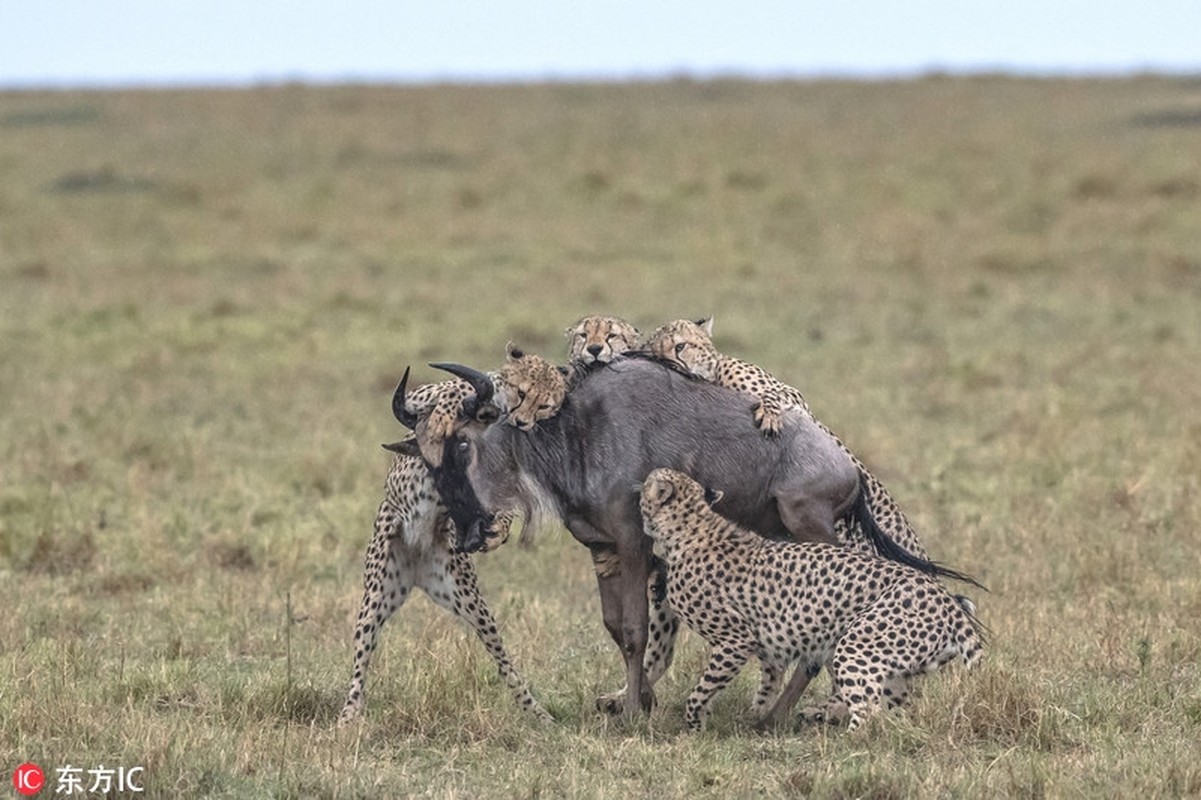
{"x":990,"y":287}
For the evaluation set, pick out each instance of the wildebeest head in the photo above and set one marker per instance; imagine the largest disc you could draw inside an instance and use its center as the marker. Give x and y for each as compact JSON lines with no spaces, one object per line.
{"x":443,"y":441}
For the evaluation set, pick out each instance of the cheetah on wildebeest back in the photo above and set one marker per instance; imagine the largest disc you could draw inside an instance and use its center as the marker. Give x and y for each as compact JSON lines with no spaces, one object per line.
{"x":413,"y":535}
{"x":597,"y":340}
{"x":873,"y":622}
{"x":688,"y":346}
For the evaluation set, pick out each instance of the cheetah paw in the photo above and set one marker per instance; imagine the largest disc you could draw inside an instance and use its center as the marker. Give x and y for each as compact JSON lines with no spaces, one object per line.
{"x":768,"y":422}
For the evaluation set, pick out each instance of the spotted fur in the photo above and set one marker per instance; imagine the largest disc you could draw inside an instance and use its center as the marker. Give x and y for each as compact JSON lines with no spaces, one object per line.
{"x":874,"y":623}
{"x":688,"y":346}
{"x":531,"y":388}
{"x":598,"y":340}
{"x":412,"y":547}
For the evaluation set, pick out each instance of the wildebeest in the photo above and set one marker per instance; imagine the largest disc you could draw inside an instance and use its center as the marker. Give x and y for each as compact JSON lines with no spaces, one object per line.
{"x":617,"y":424}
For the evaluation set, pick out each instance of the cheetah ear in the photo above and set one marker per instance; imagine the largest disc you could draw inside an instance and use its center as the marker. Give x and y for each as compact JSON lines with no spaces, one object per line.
{"x":514,"y":352}
{"x":405,"y":447}
{"x":562,"y":370}
{"x":713,"y":496}
{"x":658,"y":490}
{"x":706,"y":324}
{"x":570,"y":330}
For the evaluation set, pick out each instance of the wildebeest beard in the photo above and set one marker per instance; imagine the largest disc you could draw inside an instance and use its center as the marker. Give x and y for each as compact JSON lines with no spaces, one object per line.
{"x":459,"y":498}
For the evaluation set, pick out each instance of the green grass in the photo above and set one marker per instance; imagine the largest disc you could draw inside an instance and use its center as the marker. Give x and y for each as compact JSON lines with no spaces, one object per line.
{"x":991,"y":288}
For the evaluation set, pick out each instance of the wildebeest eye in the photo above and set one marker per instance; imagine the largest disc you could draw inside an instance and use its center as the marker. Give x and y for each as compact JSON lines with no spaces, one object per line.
{"x":463,"y":446}
{"x":680,"y":348}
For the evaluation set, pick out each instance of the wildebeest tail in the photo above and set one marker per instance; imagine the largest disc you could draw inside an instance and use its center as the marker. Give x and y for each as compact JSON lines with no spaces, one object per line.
{"x":889,"y":549}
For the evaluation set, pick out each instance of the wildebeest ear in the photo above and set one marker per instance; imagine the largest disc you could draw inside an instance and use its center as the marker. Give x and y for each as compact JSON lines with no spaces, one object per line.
{"x":713,"y":496}
{"x":706,"y":324}
{"x":487,"y":413}
{"x":514,"y":352}
{"x":406,"y":447}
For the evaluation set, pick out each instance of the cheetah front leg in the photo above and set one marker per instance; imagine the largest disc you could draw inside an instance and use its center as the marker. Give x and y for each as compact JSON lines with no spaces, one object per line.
{"x":797,"y":684}
{"x":726,"y":659}
{"x":769,"y":684}
{"x":385,"y":588}
{"x":450,"y":580}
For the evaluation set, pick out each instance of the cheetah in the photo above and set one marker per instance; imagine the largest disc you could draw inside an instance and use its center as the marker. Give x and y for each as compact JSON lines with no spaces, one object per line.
{"x":688,"y":346}
{"x":874,"y":623}
{"x":597,"y":340}
{"x":413,"y":535}
{"x":531,"y":389}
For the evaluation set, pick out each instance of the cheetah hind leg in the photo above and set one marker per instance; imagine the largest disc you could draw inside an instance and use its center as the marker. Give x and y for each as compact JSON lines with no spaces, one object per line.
{"x":452,"y":584}
{"x":385,"y":588}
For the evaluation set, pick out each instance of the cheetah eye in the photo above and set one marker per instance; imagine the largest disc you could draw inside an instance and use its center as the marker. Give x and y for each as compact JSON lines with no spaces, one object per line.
{"x":581,"y":335}
{"x":680,"y":348}
{"x":544,"y":407}
{"x":611,"y":336}
{"x":521,"y":394}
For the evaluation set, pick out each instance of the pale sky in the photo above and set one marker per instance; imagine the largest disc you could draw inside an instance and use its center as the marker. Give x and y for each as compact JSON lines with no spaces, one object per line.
{"x":63,"y":43}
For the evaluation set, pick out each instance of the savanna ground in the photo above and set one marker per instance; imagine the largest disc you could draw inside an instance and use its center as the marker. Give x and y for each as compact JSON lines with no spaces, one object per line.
{"x":990,"y":287}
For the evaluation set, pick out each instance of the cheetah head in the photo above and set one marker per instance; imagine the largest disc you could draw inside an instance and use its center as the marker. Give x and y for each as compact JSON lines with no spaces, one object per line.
{"x":599,"y":339}
{"x":668,"y":496}
{"x":687,"y":345}
{"x":531,"y":388}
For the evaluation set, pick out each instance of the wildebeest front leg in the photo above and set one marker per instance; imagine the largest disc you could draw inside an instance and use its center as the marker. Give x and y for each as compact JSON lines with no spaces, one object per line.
{"x":626,"y":623}
{"x":662,"y":628}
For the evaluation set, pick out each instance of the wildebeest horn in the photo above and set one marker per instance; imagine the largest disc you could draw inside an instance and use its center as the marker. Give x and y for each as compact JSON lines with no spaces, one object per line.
{"x":478,"y":380}
{"x":402,"y":414}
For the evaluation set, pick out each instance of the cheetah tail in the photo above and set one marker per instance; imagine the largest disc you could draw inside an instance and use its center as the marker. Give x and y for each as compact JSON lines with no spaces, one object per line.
{"x":889,"y":549}
{"x":969,"y":608}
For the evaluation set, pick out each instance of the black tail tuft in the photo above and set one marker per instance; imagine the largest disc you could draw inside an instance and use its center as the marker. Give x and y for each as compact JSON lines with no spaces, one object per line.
{"x":889,"y":549}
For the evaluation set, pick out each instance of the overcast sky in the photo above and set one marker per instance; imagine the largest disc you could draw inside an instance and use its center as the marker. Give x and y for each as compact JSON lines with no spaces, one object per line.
{"x":155,"y":42}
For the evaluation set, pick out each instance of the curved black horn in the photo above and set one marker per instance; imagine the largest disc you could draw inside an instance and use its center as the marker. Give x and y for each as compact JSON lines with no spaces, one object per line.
{"x":478,"y":380}
{"x":402,"y":414}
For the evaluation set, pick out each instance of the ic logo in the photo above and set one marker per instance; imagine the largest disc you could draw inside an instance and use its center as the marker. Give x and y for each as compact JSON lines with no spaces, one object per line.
{"x":29,"y":779}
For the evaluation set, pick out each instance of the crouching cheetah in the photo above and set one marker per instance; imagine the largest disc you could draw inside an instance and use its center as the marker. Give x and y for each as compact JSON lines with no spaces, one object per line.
{"x":412,"y":541}
{"x":688,"y":346}
{"x":874,"y":623}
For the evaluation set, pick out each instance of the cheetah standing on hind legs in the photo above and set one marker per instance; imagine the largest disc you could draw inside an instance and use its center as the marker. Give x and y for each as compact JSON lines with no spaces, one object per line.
{"x":411,"y":544}
{"x":873,"y":622}
{"x":688,"y":346}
